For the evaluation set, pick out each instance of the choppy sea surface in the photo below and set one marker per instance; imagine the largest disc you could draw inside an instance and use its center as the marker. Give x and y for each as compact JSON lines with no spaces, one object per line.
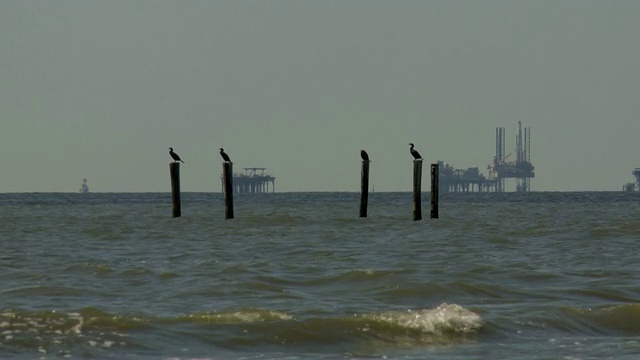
{"x":300,"y":276}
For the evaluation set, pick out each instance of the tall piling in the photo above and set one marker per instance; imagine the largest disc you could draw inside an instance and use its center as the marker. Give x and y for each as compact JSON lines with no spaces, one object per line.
{"x":174,"y":170}
{"x":417,"y":189}
{"x":435,"y":190}
{"x":364,"y":188}
{"x":227,"y":171}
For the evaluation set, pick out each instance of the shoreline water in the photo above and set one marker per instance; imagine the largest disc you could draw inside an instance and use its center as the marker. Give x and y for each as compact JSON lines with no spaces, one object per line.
{"x":113,"y":276}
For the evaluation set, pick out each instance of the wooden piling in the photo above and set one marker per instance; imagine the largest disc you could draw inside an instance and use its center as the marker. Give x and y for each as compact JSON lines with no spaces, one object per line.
{"x":227,"y":171}
{"x":364,"y":186}
{"x":435,"y":190}
{"x":174,"y":170}
{"x":417,"y":192}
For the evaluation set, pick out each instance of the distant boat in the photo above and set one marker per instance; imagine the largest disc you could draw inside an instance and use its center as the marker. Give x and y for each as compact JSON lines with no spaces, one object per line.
{"x":84,"y":188}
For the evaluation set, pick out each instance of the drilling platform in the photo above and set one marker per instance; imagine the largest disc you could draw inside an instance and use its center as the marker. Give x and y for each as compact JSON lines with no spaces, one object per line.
{"x":521,"y":169}
{"x":633,"y":186}
{"x":471,"y":180}
{"x":253,"y":181}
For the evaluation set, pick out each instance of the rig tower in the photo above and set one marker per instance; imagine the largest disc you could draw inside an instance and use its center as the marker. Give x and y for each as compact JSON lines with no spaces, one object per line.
{"x":522,"y":159}
{"x":632,"y":186}
{"x":522,"y":169}
{"x":500,"y":158}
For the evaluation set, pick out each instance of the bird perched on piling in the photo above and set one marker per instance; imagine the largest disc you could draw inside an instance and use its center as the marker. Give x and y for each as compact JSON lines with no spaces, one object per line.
{"x":364,"y":155}
{"x":174,"y":156}
{"x":224,"y":155}
{"x":416,"y":155}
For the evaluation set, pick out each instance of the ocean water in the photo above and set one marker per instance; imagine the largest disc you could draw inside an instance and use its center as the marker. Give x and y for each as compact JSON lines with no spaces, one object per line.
{"x":300,"y":276}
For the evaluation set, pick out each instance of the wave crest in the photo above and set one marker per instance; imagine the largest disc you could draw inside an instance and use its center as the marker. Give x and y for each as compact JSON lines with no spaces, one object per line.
{"x":444,"y":319}
{"x":236,"y":317}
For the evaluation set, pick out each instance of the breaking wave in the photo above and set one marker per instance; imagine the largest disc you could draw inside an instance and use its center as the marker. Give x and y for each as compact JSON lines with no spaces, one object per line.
{"x":94,"y":331}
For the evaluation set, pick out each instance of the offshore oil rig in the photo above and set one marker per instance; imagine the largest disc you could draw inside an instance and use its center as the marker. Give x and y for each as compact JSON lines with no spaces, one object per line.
{"x":471,"y":180}
{"x":464,"y":180}
{"x":633,"y":186}
{"x":253,"y":180}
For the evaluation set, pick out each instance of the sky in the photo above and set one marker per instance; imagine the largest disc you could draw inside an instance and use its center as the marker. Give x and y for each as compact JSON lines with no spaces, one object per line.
{"x":101,"y":90}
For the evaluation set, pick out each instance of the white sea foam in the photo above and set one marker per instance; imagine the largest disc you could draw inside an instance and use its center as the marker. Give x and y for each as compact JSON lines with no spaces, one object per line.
{"x":446,"y":318}
{"x":244,"y":316}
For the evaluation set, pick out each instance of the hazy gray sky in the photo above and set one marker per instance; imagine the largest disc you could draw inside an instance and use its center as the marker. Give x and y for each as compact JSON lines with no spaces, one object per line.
{"x":101,"y":89}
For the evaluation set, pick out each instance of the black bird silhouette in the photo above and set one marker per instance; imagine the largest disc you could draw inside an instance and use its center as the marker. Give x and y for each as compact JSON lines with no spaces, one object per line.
{"x":364,"y":155}
{"x":224,"y":155}
{"x":174,"y":156}
{"x":415,"y":153}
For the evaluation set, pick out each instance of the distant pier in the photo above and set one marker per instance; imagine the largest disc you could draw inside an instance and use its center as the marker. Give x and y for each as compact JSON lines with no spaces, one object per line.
{"x":464,"y":180}
{"x":254,"y":180}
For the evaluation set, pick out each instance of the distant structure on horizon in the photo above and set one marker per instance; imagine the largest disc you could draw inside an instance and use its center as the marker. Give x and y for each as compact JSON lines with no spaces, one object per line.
{"x":521,"y":169}
{"x":254,"y":180}
{"x":471,"y":180}
{"x":633,"y":186}
{"x":464,"y":180}
{"x":84,"y":188}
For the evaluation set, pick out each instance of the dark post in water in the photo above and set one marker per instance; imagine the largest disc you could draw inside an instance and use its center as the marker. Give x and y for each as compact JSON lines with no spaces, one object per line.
{"x":417,"y":185}
{"x":174,"y":170}
{"x":435,"y":190}
{"x":364,"y":186}
{"x":227,"y":171}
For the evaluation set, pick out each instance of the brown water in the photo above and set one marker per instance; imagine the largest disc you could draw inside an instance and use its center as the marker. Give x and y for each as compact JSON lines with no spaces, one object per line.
{"x":298,"y":275}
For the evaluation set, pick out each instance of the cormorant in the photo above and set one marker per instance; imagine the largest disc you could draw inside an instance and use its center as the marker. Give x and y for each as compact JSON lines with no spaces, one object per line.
{"x":224,"y":155}
{"x":415,"y":153}
{"x":364,"y":155}
{"x":174,"y":156}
